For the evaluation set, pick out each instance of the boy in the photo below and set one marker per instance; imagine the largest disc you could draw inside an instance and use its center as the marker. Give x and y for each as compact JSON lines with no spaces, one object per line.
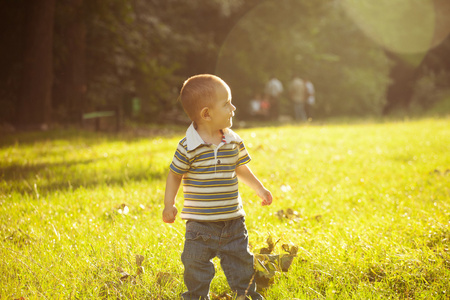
{"x":209,"y":161}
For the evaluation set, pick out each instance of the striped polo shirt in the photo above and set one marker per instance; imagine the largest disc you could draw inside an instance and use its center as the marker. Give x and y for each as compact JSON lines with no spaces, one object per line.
{"x":210,"y":183}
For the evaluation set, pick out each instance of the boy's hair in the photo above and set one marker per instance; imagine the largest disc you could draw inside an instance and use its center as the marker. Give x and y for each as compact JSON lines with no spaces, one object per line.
{"x":199,"y":91}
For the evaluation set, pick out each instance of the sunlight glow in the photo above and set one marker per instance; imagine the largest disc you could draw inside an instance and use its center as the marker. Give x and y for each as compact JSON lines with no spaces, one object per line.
{"x":401,"y":26}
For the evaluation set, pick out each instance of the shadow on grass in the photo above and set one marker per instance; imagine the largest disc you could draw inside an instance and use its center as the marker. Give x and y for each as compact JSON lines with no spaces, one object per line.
{"x":61,"y":177}
{"x":88,"y":137}
{"x":19,"y":172}
{"x":23,"y":138}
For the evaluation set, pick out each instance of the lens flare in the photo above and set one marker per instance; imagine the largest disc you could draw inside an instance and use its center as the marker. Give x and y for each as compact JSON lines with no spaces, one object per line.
{"x":402,"y":26}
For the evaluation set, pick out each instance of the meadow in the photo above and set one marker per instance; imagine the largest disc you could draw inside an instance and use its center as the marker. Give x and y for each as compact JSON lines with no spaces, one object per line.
{"x":369,"y":203}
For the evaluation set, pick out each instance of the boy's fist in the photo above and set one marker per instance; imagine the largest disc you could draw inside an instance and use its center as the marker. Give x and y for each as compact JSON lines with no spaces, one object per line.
{"x":266,"y":196}
{"x":169,"y":214}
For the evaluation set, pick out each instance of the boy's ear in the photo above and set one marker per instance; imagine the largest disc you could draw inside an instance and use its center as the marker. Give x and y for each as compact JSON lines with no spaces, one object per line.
{"x":204,"y":114}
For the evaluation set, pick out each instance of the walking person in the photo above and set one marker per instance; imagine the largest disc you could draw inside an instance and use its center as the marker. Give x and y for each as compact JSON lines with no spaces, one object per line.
{"x":297,"y":95}
{"x":273,"y":90}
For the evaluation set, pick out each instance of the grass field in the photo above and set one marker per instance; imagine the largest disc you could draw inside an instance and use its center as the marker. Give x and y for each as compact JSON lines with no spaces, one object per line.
{"x":79,"y":211}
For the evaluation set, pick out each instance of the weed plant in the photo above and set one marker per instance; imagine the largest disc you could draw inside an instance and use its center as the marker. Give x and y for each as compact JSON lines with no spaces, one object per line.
{"x":371,"y":201}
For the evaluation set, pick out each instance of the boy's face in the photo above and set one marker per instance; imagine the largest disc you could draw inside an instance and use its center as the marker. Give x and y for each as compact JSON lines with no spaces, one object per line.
{"x":222,"y":111}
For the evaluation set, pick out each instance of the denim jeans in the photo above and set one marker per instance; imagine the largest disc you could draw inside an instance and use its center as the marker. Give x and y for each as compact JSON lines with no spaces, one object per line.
{"x":299,"y":112}
{"x":227,"y":240}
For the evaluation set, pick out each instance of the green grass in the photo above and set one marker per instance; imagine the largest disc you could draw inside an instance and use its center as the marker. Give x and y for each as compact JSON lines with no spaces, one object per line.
{"x":373,"y":203}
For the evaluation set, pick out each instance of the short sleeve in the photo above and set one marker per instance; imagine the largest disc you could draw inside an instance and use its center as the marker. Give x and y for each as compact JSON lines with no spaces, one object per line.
{"x":180,"y":163}
{"x":244,"y":157}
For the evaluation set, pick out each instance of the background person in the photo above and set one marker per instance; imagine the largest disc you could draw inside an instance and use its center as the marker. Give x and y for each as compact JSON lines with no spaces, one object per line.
{"x":297,"y":94}
{"x":273,"y":90}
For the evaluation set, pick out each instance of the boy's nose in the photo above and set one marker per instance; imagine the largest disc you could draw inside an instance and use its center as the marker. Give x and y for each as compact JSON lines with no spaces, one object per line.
{"x":233,"y":108}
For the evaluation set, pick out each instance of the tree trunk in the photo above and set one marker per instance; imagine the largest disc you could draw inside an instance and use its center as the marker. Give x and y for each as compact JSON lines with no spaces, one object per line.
{"x":70,"y":88}
{"x":34,"y":107}
{"x":400,"y":91}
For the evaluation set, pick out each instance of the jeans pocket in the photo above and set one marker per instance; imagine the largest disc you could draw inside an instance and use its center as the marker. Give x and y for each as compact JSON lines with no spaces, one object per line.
{"x":193,"y":235}
{"x":196,"y":245}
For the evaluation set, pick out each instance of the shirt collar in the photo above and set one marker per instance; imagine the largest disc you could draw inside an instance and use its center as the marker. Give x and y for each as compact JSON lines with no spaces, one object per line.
{"x":194,"y":139}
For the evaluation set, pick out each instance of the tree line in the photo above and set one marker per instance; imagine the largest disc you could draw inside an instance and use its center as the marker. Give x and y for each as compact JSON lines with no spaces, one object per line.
{"x":62,"y":58}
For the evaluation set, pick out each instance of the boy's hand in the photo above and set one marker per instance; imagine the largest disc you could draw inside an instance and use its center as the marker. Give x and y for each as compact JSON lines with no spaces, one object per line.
{"x":169,"y":214}
{"x":266,"y":196}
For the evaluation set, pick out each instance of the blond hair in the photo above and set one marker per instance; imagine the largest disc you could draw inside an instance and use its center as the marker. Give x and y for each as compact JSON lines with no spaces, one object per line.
{"x":200,"y":91}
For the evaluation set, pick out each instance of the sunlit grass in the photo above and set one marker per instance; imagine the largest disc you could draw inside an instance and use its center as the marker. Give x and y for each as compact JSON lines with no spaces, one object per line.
{"x":372,"y":201}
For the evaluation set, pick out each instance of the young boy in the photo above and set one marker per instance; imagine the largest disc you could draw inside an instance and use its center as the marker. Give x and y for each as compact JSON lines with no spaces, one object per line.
{"x":209,"y":161}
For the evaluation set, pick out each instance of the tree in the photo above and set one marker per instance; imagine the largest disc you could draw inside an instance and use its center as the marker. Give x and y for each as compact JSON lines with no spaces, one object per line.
{"x":35,"y":96}
{"x":12,"y":18}
{"x":147,"y":48}
{"x":70,"y":85}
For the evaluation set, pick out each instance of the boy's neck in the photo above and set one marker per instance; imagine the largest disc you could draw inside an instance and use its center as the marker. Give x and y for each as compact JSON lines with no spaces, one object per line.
{"x":210,"y":135}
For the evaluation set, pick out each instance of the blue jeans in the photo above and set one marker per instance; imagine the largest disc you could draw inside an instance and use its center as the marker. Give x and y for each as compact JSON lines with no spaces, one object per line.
{"x":227,"y":240}
{"x":299,"y":112}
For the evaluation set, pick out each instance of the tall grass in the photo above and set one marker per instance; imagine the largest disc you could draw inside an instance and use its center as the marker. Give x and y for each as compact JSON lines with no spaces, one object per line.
{"x":372,"y":203}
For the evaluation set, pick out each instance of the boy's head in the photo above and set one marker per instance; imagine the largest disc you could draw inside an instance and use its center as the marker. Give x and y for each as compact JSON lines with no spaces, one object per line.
{"x":201,"y":91}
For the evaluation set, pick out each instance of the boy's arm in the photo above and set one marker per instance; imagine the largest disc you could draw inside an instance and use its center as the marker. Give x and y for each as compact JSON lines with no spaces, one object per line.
{"x":172,"y":185}
{"x":246,"y":176}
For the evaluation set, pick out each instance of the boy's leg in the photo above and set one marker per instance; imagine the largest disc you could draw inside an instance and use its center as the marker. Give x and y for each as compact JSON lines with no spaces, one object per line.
{"x":237,"y":261}
{"x":196,"y":258}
